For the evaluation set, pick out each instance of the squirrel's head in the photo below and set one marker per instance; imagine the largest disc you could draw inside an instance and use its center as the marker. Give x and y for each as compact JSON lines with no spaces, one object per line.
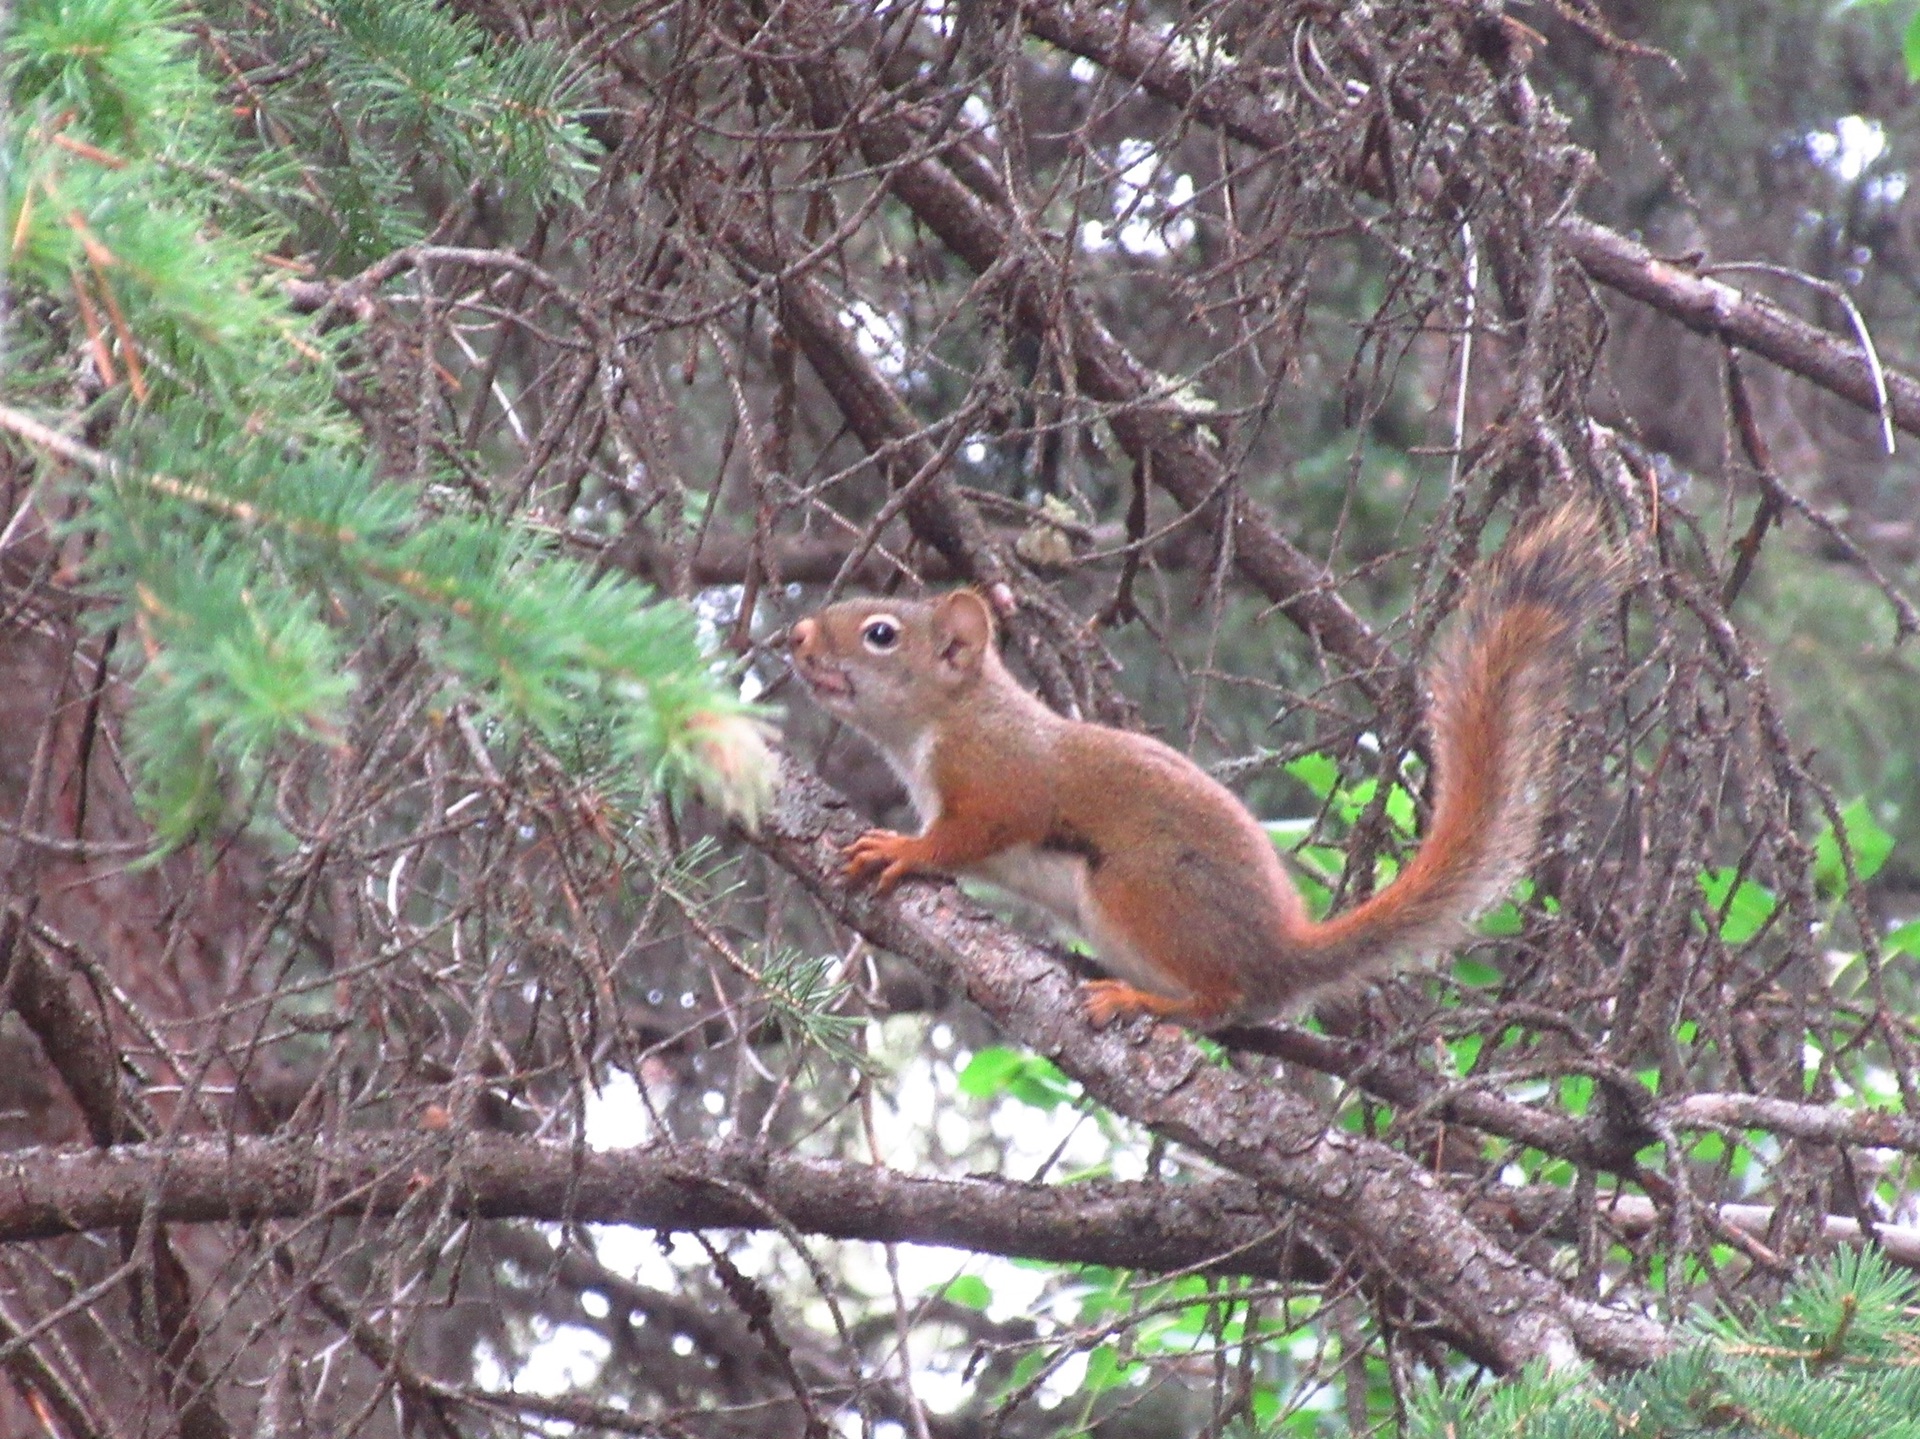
{"x":888,"y":666}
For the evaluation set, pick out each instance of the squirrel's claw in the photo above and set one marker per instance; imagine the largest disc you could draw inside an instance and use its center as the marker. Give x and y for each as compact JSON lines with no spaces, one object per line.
{"x":883,"y":850}
{"x":1107,"y":1000}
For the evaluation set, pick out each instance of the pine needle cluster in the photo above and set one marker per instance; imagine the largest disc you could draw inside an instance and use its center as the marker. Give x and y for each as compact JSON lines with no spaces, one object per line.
{"x":406,"y":95}
{"x":232,"y":519}
{"x":1837,"y":1358}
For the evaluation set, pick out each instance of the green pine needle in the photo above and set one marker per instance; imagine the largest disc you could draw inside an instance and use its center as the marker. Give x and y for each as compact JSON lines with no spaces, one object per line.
{"x":805,"y":1001}
{"x":240,"y":528}
{"x":1837,"y":1358}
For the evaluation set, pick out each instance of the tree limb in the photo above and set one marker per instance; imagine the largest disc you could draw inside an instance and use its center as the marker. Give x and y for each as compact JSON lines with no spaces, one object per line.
{"x":1222,"y":1226}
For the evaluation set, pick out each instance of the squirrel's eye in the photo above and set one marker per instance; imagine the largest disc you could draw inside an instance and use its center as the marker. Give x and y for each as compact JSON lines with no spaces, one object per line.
{"x":881,"y":634}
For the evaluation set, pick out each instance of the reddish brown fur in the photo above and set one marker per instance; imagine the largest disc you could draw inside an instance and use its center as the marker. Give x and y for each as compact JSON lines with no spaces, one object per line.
{"x":1160,"y":866}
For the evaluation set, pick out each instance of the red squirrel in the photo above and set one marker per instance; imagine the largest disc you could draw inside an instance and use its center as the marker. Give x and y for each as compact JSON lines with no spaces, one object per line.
{"x":1129,"y":842}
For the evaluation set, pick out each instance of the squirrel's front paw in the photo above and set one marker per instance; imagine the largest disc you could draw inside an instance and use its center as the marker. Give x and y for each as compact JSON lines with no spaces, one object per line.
{"x":881,"y":849}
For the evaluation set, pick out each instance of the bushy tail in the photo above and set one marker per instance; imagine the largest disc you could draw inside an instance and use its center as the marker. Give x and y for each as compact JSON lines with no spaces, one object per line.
{"x":1499,"y":688}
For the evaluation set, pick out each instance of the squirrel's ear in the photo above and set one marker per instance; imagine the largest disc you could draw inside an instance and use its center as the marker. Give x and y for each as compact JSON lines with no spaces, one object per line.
{"x":962,"y":633}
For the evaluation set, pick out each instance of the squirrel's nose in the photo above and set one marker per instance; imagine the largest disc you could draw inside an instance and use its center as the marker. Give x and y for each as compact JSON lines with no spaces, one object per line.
{"x":800,"y":636}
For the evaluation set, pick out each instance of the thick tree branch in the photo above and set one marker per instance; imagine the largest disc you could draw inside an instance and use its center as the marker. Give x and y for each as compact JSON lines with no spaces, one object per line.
{"x":1224,"y":1226}
{"x":1752,"y":322}
{"x":75,"y":1043}
{"x":1820,"y":1123}
{"x":1220,"y":1226}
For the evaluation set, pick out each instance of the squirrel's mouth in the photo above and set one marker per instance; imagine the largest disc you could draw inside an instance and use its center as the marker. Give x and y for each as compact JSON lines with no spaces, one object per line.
{"x":822,"y":678}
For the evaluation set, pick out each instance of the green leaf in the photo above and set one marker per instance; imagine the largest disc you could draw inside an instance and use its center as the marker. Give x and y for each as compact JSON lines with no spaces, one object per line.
{"x":1105,"y":1293}
{"x":1742,"y":911}
{"x":1317,"y":772}
{"x":998,"y":1071}
{"x":1326,"y":859}
{"x":1466,"y":1051}
{"x":988,"y":1072}
{"x":1501,"y":922}
{"x":1476,"y":974}
{"x":1314,"y":893}
{"x":1904,"y":940}
{"x":1105,"y":1370}
{"x":1910,"y":48}
{"x":968,"y":1290}
{"x":1869,"y":842}
{"x":1265,"y":1403}
{"x":1352,"y":802}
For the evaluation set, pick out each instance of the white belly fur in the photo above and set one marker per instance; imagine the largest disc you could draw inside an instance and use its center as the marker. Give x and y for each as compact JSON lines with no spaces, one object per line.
{"x":1056,"y":880}
{"x":1053,"y":879}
